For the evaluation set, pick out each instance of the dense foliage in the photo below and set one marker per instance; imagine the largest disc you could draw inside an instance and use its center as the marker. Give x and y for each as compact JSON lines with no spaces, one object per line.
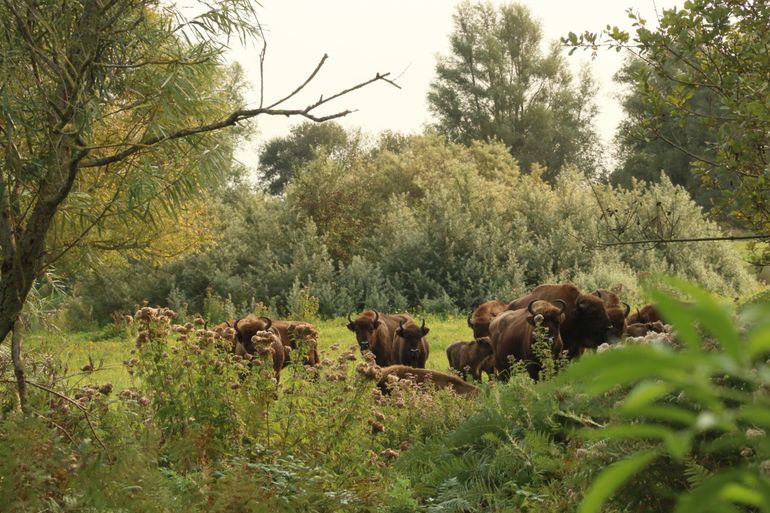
{"x":418,"y":222}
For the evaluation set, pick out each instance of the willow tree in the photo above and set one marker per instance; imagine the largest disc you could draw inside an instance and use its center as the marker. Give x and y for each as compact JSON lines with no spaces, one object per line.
{"x":113,"y":109}
{"x":497,"y":84}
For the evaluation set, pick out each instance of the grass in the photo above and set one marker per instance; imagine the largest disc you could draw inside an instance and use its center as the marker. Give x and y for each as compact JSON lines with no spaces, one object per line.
{"x":109,"y":352}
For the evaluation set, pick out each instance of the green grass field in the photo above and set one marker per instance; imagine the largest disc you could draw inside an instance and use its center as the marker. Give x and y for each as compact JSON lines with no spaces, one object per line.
{"x":108,"y":353}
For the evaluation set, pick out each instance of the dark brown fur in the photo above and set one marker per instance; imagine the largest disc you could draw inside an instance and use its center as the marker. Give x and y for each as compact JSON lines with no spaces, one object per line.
{"x":513,"y":334}
{"x":299,"y":335}
{"x":640,"y":329}
{"x":474,"y":356}
{"x":617,"y":311}
{"x":247,"y":328}
{"x":482,"y":315}
{"x":374,"y":332}
{"x":410,"y":347}
{"x":647,"y":313}
{"x":586,"y":323}
{"x":438,"y":379}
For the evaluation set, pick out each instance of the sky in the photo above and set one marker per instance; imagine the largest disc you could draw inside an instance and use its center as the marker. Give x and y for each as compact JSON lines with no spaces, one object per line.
{"x":403,"y":38}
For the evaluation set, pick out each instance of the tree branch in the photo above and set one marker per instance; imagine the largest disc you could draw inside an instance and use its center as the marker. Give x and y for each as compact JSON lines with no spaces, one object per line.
{"x":693,"y":239}
{"x":234,"y":118}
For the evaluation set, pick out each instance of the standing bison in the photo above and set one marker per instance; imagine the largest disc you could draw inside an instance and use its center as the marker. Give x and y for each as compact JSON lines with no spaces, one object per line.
{"x":513,"y":335}
{"x":482,"y":315}
{"x":474,"y":357}
{"x":586,"y":323}
{"x":374,"y":333}
{"x":617,"y":311}
{"x":257,"y":337}
{"x":409,"y":344}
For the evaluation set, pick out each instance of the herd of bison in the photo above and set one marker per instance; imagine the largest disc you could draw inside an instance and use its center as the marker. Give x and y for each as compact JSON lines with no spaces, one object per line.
{"x":396,"y":345}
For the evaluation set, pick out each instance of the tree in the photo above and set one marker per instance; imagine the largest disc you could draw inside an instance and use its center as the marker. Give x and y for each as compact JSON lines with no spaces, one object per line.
{"x":497,"y":84}
{"x":719,"y":48}
{"x":281,"y":157}
{"x":643,"y":155}
{"x":121,"y":95}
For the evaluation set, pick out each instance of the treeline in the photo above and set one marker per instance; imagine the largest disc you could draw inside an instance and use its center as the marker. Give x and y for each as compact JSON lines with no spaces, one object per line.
{"x":417,"y":222}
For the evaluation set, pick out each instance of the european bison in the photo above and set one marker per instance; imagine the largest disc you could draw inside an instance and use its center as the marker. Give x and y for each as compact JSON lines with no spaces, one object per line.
{"x":256,"y":336}
{"x":386,"y":375}
{"x":617,"y":311}
{"x":482,"y":315}
{"x":409,"y":344}
{"x":300,"y":336}
{"x":648,"y":313}
{"x":513,"y":335}
{"x":586,"y":323}
{"x":640,"y":329}
{"x":374,"y":333}
{"x":474,"y":356}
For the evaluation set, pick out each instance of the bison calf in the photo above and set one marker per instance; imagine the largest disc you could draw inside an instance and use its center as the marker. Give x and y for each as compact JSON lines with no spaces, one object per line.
{"x":257,"y":337}
{"x":474,"y":357}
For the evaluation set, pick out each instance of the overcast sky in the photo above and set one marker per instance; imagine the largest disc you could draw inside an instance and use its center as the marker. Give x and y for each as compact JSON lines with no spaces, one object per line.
{"x":403,"y":37}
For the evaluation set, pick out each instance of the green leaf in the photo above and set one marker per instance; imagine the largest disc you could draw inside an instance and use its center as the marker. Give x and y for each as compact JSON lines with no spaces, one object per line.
{"x":645,"y":393}
{"x":612,"y":478}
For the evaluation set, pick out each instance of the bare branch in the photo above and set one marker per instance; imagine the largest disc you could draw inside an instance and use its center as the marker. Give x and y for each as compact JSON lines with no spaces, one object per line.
{"x":693,"y":239}
{"x":302,"y":86}
{"x":233,"y":119}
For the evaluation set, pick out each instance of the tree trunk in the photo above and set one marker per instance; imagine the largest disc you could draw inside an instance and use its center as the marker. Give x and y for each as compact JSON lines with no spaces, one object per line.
{"x":18,"y":366}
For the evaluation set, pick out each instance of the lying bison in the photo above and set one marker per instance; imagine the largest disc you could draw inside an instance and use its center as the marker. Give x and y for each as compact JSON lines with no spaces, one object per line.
{"x":513,"y":335}
{"x":586,"y":323}
{"x":387,"y":375}
{"x":375,"y":332}
{"x":410,"y":347}
{"x":640,"y":329}
{"x":474,"y":357}
{"x":482,"y":315}
{"x":256,"y":336}
{"x":302,"y":337}
{"x":617,"y":311}
{"x":648,"y":313}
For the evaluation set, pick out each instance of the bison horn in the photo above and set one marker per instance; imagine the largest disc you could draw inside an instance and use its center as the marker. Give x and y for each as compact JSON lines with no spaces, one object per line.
{"x":628,"y":309}
{"x":376,"y":315}
{"x":470,"y":323}
{"x":563,"y":305}
{"x":349,"y":319}
{"x":422,"y":326}
{"x":268,"y":321}
{"x":235,"y":324}
{"x":401,"y":324}
{"x":529,"y":306}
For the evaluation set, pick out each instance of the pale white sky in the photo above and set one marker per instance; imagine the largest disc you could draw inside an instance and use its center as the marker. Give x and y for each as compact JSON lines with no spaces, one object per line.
{"x":402,"y":37}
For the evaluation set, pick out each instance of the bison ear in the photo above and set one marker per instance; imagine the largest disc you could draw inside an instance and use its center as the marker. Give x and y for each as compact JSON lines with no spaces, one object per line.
{"x":352,"y":326}
{"x":597,"y":293}
{"x":376,"y":324}
{"x":400,"y":332}
{"x":425,"y":331}
{"x":531,"y":320}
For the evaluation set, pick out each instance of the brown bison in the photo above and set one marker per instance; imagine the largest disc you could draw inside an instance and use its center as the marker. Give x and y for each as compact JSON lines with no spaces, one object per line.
{"x":300,"y":336}
{"x":374,"y":333}
{"x":410,"y":346}
{"x":640,"y":329}
{"x":513,"y":335}
{"x":257,"y":337}
{"x":617,"y":311}
{"x":648,"y":313}
{"x":482,"y":315}
{"x":586,"y":323}
{"x":474,"y":356}
{"x":386,"y":375}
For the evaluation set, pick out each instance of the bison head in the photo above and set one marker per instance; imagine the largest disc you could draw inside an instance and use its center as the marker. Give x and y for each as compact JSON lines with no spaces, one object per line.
{"x":546,"y":314}
{"x":593,"y":323}
{"x":617,"y":318}
{"x":247,"y":327}
{"x":412,"y":335}
{"x":365,"y":328}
